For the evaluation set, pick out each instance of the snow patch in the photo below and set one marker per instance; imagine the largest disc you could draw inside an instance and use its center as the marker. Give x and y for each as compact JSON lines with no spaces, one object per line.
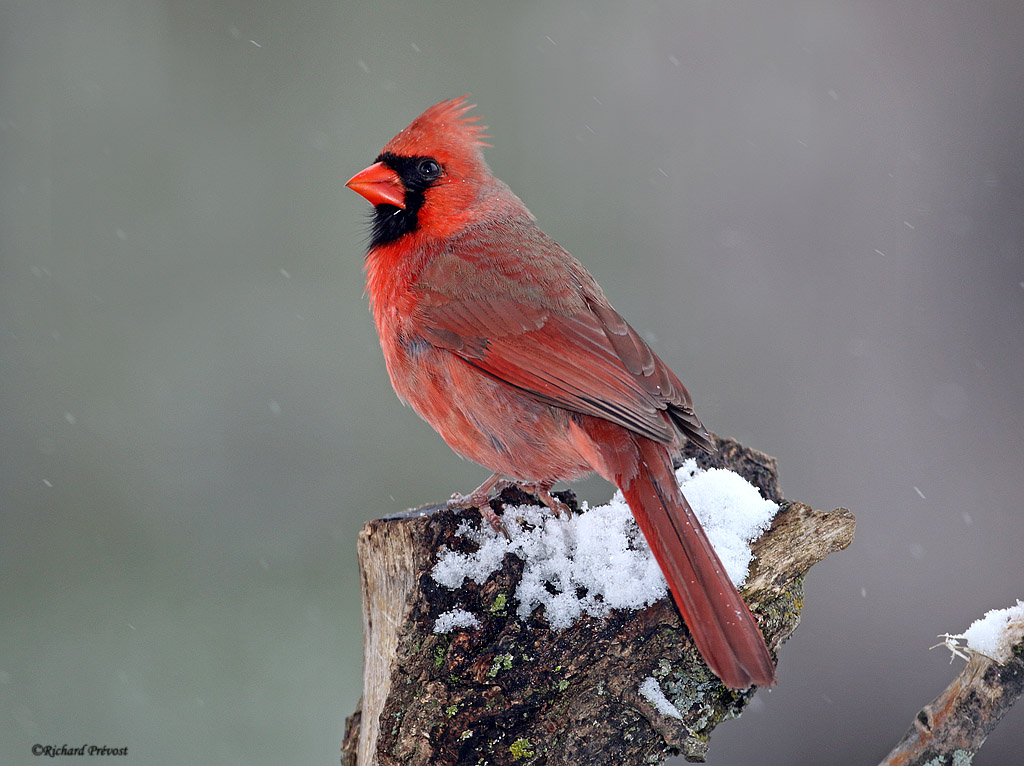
{"x":453,"y":619}
{"x":597,"y":561}
{"x":651,"y":691}
{"x":993,"y":636}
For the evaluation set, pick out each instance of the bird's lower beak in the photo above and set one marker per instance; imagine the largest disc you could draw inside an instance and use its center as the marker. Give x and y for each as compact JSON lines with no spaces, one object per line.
{"x":379,"y":184}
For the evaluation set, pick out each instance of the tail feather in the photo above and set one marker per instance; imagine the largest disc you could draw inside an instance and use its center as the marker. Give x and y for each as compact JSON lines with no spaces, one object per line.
{"x":722,"y":626}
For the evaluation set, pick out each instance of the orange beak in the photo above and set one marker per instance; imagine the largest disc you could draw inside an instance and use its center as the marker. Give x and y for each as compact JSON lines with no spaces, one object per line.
{"x":379,"y":184}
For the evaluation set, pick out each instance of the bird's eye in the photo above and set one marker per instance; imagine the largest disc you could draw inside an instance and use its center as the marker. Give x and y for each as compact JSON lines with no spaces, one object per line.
{"x":429,"y":169}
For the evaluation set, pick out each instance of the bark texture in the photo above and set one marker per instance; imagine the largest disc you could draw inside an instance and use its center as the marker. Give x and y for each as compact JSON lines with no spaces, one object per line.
{"x":514,"y":692}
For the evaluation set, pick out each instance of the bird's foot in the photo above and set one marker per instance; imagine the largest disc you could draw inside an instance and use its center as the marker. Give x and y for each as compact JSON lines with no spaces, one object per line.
{"x":480,"y":498}
{"x":543,"y":491}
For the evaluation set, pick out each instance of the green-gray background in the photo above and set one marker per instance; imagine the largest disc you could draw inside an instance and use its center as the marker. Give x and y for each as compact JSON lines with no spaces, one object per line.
{"x":815,"y":211}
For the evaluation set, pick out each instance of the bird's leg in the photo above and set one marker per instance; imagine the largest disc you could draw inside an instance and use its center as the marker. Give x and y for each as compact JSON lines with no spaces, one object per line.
{"x":542,"y":489}
{"x":479,"y":498}
{"x":494,"y":484}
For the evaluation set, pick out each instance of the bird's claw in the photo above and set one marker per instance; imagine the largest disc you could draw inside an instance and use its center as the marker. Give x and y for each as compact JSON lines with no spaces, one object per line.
{"x":480,"y":499}
{"x":458,"y":501}
{"x":543,"y":493}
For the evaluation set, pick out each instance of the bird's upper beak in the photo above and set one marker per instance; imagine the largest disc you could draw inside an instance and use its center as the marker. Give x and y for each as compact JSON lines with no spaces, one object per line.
{"x":379,"y":184}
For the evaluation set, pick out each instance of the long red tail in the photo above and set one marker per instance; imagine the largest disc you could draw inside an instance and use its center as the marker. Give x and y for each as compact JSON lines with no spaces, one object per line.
{"x":722,"y":626}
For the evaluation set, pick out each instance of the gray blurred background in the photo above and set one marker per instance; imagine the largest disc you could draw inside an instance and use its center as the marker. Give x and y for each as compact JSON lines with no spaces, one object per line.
{"x":814,"y":210}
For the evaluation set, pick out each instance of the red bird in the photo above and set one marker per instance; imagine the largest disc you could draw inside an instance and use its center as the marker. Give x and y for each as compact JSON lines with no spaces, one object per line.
{"x":506,"y":345}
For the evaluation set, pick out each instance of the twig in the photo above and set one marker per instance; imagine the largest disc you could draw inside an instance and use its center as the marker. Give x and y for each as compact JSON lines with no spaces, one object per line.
{"x":951,"y":728}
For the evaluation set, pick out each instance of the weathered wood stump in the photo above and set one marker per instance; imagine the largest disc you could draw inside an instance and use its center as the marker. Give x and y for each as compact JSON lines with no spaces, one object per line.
{"x":509,"y":691}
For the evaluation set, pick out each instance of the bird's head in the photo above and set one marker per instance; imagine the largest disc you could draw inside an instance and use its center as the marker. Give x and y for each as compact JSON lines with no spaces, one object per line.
{"x":429,"y":177}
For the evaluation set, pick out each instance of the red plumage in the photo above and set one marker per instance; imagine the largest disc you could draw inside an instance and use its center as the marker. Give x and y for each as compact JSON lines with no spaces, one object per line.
{"x":506,"y":345}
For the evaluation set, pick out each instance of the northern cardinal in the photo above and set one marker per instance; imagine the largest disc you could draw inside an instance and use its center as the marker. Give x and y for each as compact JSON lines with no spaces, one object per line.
{"x":505,"y":344}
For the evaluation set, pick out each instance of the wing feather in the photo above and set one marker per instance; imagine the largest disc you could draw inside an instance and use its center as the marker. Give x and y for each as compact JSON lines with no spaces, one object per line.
{"x":552,"y":332}
{"x":568,"y":361}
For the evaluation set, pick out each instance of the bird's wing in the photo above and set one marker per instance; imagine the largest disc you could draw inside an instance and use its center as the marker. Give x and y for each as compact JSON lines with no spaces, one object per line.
{"x":559,"y":339}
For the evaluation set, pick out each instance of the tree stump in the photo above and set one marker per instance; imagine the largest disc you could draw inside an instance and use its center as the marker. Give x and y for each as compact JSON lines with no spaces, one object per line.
{"x":508,"y":691}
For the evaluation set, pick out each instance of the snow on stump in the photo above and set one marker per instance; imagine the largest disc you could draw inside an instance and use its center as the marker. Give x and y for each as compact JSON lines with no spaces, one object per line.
{"x":560,"y":644}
